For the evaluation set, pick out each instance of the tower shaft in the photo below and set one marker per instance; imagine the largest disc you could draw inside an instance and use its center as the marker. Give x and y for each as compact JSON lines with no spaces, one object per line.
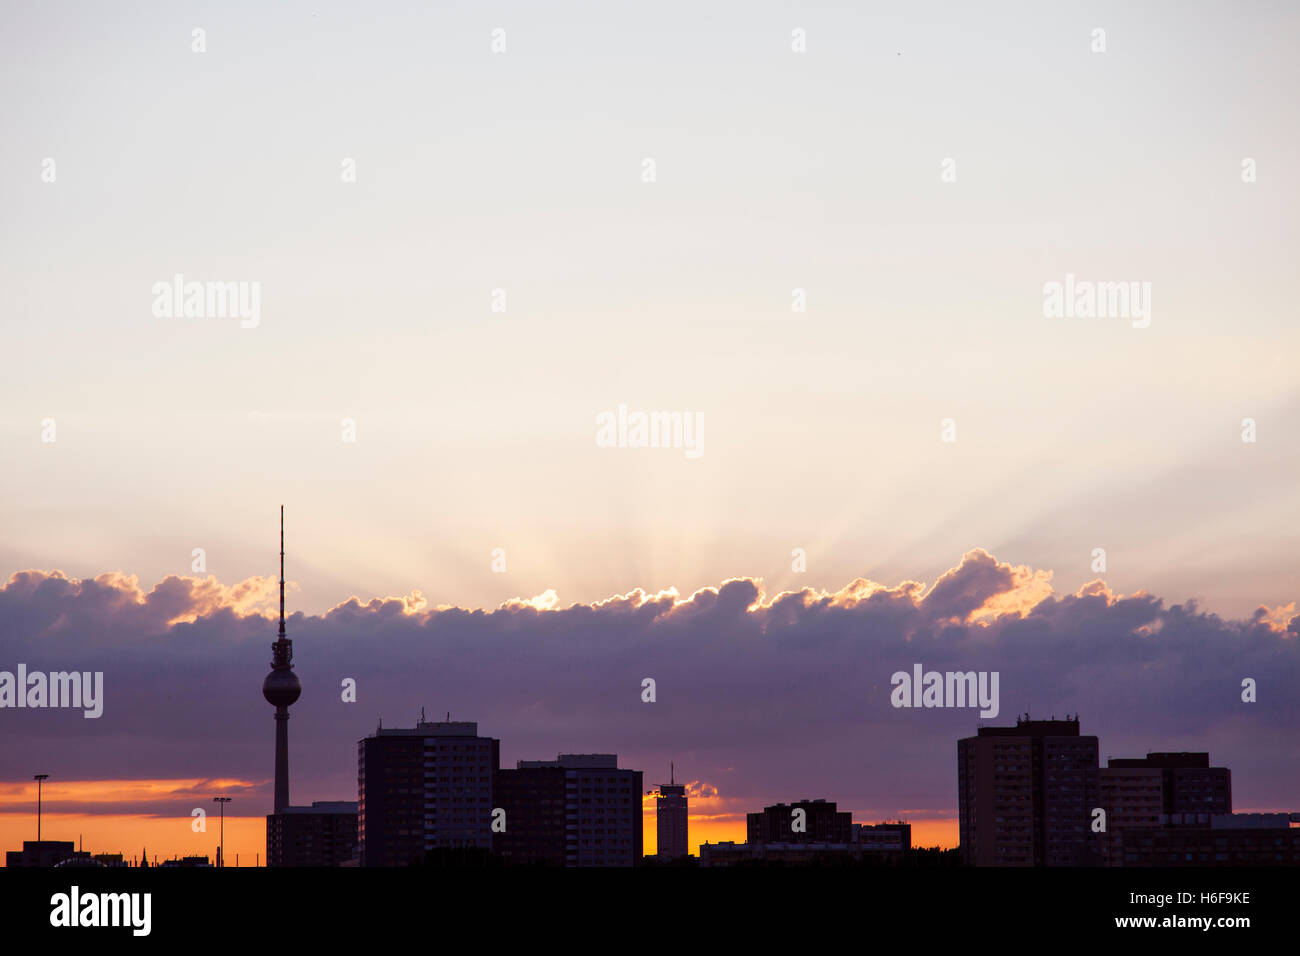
{"x":281,"y":758}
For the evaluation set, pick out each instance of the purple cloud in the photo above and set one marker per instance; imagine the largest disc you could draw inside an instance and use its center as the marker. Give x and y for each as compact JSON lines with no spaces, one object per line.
{"x":764,"y":698}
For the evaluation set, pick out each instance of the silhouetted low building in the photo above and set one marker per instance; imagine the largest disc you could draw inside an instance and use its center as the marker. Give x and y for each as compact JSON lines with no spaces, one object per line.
{"x":883,"y":837}
{"x":41,"y":853}
{"x":821,"y":823}
{"x":324,"y":834}
{"x":807,"y":853}
{"x":868,"y":842}
{"x":1233,"y":839}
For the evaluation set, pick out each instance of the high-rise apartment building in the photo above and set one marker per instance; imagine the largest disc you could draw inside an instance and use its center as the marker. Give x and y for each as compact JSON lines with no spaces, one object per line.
{"x":1149,"y":791}
{"x":1026,"y":795}
{"x":602,"y":811}
{"x":671,"y":819}
{"x":1188,"y":783}
{"x":424,"y":788}
{"x":535,"y":804}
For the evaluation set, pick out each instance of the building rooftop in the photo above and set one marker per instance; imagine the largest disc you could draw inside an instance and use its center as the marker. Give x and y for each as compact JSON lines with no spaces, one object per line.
{"x":1267,"y":821}
{"x":432,"y":728}
{"x":325,"y":806}
{"x":1035,"y":728}
{"x":574,"y":762}
{"x":1164,"y":761}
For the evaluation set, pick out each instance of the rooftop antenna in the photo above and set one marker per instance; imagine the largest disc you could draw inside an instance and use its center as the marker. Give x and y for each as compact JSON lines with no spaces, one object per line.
{"x":672,"y":779}
{"x":40,"y":778}
{"x":421,"y":714}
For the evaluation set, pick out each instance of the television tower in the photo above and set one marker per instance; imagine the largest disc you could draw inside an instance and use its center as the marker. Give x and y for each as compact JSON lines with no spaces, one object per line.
{"x":281,"y":688}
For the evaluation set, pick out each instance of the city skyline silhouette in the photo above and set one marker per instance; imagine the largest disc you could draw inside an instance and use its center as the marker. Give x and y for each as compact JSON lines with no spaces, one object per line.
{"x":981,"y":595}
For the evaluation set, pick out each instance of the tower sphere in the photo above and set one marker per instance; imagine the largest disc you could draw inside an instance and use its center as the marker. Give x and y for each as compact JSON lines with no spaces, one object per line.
{"x":281,"y":688}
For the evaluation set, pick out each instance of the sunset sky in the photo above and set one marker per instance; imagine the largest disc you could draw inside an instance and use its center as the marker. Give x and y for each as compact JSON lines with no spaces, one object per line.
{"x":524,"y":171}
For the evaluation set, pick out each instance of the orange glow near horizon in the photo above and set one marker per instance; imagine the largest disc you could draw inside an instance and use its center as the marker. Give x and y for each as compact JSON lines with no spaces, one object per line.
{"x":23,"y":794}
{"x":940,"y":832}
{"x":169,"y":836}
{"x":163,"y":838}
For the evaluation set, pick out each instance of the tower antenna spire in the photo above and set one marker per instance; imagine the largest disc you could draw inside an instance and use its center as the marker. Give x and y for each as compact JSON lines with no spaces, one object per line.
{"x":282,"y":571}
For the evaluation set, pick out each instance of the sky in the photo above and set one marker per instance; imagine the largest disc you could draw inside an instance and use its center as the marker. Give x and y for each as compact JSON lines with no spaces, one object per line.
{"x":475,"y":228}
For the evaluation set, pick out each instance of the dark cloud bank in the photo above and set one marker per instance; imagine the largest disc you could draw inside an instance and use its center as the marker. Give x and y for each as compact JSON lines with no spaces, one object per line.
{"x":764,"y":697}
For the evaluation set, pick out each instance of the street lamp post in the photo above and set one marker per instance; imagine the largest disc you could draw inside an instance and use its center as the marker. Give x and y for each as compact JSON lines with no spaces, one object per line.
{"x":39,"y":778}
{"x":221,"y":848}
